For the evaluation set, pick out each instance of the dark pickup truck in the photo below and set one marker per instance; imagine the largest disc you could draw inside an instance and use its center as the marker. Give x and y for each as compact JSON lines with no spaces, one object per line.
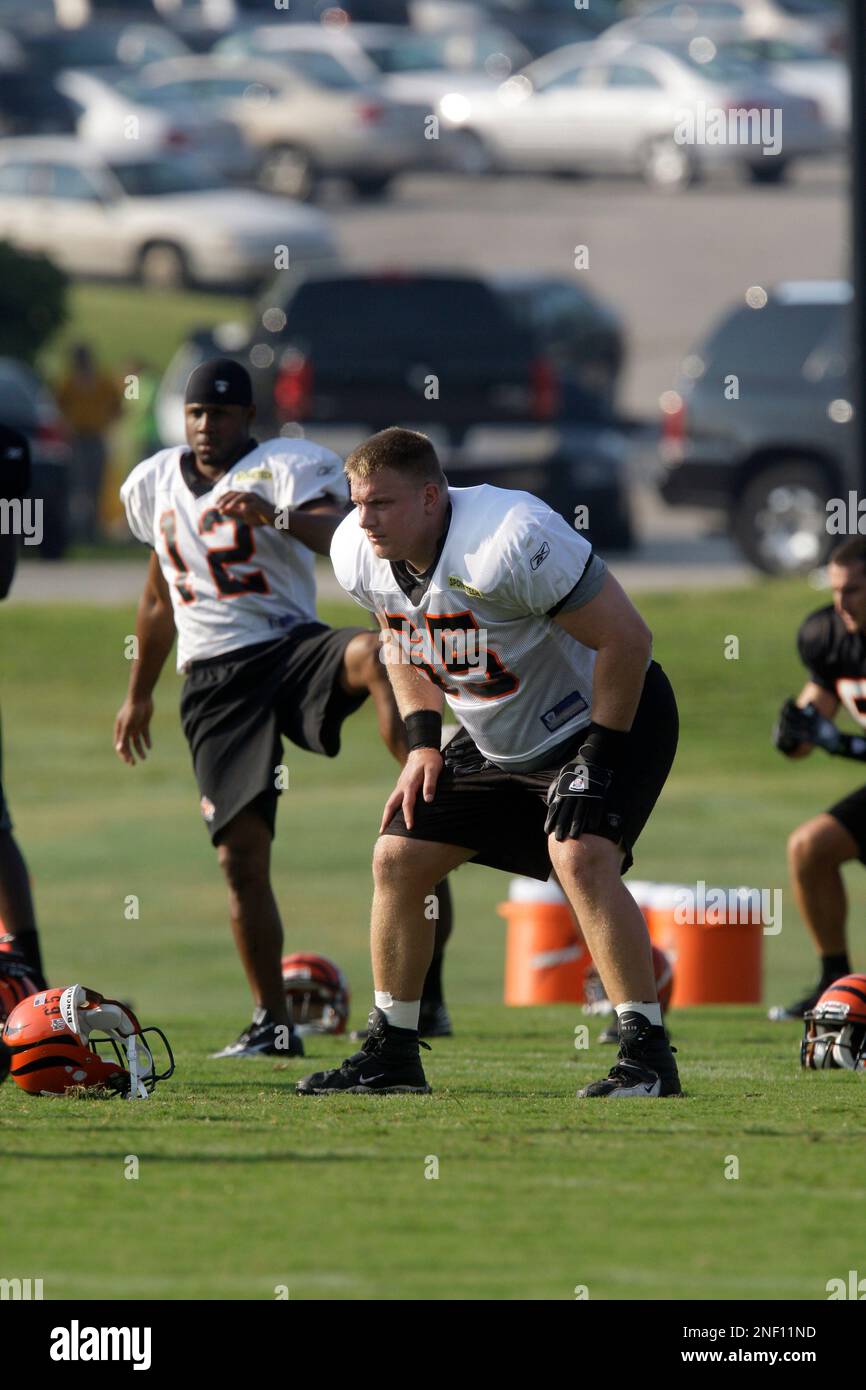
{"x":513,"y":378}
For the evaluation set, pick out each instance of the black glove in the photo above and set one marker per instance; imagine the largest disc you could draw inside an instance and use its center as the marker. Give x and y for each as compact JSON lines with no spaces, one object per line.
{"x":794,"y":726}
{"x":806,"y":725}
{"x":583,"y":798}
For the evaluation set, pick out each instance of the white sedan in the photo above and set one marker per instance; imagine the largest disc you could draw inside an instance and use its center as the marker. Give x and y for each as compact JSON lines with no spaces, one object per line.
{"x":637,"y":108}
{"x":118,"y":112}
{"x":157,"y":220}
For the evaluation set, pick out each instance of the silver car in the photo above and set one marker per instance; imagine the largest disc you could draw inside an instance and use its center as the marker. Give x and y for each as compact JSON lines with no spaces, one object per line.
{"x":153,"y":219}
{"x":115,"y":107}
{"x":302,"y":129}
{"x":812,"y":22}
{"x":669,"y":114}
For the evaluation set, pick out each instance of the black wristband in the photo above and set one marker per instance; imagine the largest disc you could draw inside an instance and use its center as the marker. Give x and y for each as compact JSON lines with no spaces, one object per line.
{"x":605,"y":747}
{"x":424,"y":729}
{"x":852,"y":746}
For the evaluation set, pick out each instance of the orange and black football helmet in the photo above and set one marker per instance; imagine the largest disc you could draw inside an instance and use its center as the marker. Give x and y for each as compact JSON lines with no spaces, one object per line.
{"x":54,"y":1040}
{"x":835,"y":1031}
{"x":317,"y":992}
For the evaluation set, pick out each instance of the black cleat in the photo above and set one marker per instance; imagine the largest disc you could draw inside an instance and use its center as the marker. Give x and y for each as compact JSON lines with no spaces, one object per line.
{"x":434,"y":1021}
{"x":388,"y":1064}
{"x":782,"y":1013}
{"x":644,"y":1067}
{"x":263,"y":1038}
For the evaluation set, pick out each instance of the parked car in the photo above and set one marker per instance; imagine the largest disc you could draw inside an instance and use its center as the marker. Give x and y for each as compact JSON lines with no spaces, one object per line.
{"x":106,"y":44}
{"x":28,"y":406}
{"x":342,"y":354}
{"x":544,"y":25}
{"x":161,"y":221}
{"x":819,"y":24}
{"x":769,"y":457}
{"x":201,"y":23}
{"x":109,"y":101}
{"x":584,"y":338}
{"x":805,"y":71}
{"x":32,"y":104}
{"x":300,"y":130}
{"x":625,"y":108}
{"x":325,"y":55}
{"x":424,"y":68}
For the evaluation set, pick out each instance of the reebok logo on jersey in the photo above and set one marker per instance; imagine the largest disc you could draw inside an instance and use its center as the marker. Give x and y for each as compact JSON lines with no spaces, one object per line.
{"x":540,"y":556}
{"x":578,"y":783}
{"x":455,"y":582}
{"x":208,"y":809}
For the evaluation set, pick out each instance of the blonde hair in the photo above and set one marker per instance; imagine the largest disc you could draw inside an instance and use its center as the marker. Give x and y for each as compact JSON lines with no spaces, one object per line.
{"x":405,"y":451}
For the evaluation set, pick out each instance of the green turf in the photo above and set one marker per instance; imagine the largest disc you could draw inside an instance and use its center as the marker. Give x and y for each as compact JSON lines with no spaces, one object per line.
{"x":244,"y":1187}
{"x":101,"y":315}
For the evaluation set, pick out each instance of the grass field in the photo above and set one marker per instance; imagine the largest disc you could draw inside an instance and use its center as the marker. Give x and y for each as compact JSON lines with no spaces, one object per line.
{"x":244,"y":1187}
{"x":101,"y":315}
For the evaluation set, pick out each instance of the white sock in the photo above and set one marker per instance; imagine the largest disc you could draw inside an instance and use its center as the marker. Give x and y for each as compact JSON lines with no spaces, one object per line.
{"x":400,"y":1013}
{"x":652,"y":1012}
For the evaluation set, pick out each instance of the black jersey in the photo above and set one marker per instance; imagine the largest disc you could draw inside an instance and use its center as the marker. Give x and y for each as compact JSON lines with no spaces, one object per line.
{"x":835,"y":659}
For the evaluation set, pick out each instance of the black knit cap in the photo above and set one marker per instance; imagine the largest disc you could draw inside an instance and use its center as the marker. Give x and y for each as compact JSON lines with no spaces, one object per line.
{"x":219,"y":381}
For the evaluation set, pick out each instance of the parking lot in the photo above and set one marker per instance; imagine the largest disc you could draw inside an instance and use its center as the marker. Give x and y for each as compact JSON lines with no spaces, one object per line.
{"x":667,"y":263}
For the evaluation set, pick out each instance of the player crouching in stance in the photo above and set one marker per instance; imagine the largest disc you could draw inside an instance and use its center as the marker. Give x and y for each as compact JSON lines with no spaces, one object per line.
{"x":491,"y":602}
{"x":233,"y":525}
{"x":832,"y":646}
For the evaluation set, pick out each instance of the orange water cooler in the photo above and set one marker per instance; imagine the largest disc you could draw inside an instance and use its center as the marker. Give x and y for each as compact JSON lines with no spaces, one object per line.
{"x":718,"y":955}
{"x":545,"y":956}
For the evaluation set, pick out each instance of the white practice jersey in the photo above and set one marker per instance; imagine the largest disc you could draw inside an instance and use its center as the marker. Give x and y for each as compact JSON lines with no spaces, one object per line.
{"x":231,"y":584}
{"x":516,"y":681}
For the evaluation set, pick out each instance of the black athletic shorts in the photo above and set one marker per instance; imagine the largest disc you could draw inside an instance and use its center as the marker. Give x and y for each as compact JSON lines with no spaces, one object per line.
{"x":500,"y":815}
{"x":851,"y":812}
{"x":234,"y":708}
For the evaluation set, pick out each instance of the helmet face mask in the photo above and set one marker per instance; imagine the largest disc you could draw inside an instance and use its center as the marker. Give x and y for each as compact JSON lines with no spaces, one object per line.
{"x":835,"y":1029}
{"x":828,"y":1049}
{"x":136,"y":1059}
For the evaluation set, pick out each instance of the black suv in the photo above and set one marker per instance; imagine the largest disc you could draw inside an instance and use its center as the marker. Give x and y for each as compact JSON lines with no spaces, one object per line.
{"x":771,"y":448}
{"x":513,"y":379}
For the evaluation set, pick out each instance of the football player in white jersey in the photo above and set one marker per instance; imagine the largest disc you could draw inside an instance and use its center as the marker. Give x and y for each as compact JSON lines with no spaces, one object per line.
{"x":491,"y":602}
{"x":233,"y":525}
